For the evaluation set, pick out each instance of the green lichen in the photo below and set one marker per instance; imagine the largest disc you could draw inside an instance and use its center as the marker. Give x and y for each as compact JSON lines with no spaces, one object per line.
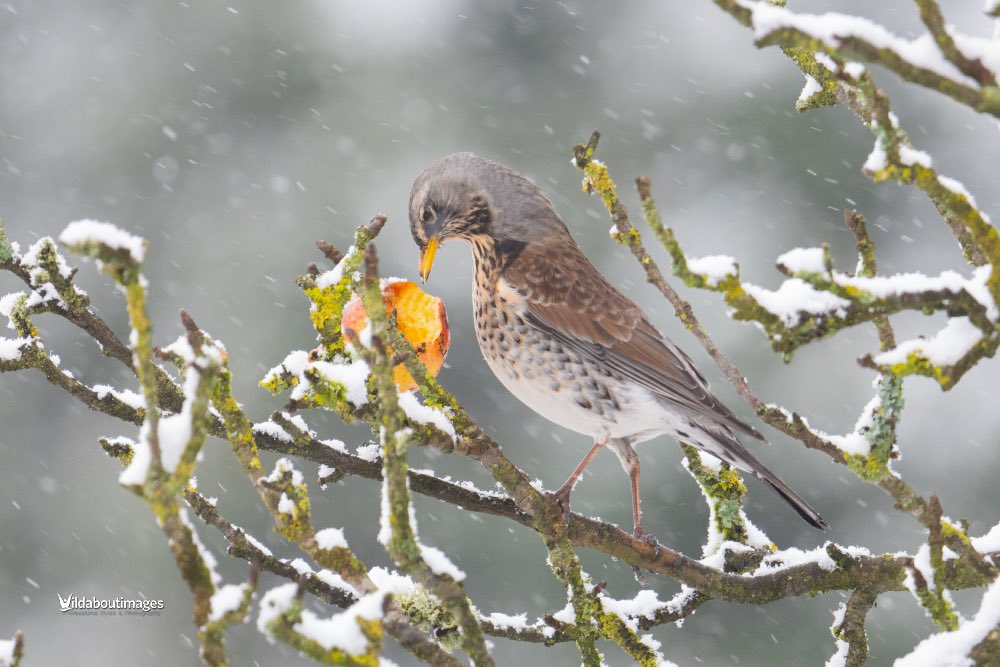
{"x":917,"y":364}
{"x":938,"y":608}
{"x":612,"y":627}
{"x":238,"y":430}
{"x":279,"y":382}
{"x":431,"y":616}
{"x":123,"y":452}
{"x":328,"y":302}
{"x":341,"y":560}
{"x":326,"y":311}
{"x":881,"y":435}
{"x":20,"y":318}
{"x":952,"y":532}
{"x":829,"y":85}
{"x":596,"y":179}
{"x":991,"y":94}
{"x":725,"y":491}
{"x":866,"y":467}
{"x":295,"y":525}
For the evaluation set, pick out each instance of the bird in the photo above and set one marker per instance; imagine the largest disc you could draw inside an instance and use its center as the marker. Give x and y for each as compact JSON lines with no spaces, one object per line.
{"x":561,"y":338}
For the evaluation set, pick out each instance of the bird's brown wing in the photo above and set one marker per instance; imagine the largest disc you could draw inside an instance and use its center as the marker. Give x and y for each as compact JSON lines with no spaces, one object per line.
{"x":565,"y":295}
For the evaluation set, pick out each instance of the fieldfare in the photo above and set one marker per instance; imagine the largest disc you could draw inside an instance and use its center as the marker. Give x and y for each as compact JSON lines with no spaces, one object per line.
{"x":560,"y":337}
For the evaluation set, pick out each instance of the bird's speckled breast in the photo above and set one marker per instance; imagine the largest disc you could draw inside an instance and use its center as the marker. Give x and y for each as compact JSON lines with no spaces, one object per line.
{"x":554,"y":382}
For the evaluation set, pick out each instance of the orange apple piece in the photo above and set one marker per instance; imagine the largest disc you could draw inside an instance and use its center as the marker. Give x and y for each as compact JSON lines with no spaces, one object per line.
{"x":421,"y":319}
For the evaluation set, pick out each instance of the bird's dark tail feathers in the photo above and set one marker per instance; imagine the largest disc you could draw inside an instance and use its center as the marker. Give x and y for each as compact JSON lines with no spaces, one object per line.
{"x":738,"y":455}
{"x":803,"y":508}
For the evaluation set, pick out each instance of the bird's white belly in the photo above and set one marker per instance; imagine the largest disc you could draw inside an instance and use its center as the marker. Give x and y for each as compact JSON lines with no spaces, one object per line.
{"x":639,"y":418}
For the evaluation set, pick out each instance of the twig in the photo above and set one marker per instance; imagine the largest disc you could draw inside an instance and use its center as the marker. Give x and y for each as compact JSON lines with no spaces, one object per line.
{"x":930,"y":14}
{"x":331,"y":251}
{"x":869,"y":268}
{"x":852,"y":627}
{"x":682,"y":308}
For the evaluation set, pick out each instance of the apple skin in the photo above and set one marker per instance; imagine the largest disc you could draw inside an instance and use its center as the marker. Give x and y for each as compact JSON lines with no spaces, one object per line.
{"x":421,"y":319}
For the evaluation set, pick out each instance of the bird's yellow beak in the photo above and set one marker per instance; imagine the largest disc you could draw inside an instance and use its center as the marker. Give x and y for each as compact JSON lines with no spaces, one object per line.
{"x":427,"y":258}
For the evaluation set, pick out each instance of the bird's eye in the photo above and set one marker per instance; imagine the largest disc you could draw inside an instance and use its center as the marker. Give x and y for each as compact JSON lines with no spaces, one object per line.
{"x":427,"y":215}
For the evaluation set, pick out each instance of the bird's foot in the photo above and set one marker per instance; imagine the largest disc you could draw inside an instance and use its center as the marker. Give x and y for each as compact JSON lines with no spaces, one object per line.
{"x":562,"y":498}
{"x":640,"y":533}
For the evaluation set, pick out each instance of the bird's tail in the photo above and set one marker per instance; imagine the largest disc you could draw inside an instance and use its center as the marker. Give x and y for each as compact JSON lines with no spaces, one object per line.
{"x":803,"y":508}
{"x":738,"y":455}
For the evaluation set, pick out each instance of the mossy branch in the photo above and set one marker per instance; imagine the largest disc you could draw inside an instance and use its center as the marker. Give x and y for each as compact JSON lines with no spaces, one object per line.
{"x":855,"y":88}
{"x":159,"y":486}
{"x":401,"y":540}
{"x":852,"y":640}
{"x":855,"y":45}
{"x":724,"y":491}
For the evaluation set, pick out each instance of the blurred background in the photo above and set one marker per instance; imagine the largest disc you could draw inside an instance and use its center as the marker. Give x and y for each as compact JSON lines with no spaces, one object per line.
{"x":234,"y":134}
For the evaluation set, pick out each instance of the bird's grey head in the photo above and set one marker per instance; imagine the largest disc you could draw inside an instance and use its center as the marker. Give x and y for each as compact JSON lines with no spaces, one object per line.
{"x":466,"y":197}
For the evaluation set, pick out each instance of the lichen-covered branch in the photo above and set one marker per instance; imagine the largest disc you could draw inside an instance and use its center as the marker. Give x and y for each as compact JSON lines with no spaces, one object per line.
{"x":593,"y":534}
{"x":162,"y":460}
{"x":816,"y":301}
{"x":724,"y":490}
{"x":924,"y":580}
{"x":398,"y":533}
{"x":849,"y":628}
{"x":325,"y":585}
{"x":868,"y":268}
{"x":972,"y":67}
{"x":352,"y":637}
{"x":839,"y":80}
{"x":950,"y":71}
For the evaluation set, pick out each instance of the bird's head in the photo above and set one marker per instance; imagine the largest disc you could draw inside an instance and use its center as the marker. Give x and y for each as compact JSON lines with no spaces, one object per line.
{"x":463,"y":196}
{"x":448,"y":202}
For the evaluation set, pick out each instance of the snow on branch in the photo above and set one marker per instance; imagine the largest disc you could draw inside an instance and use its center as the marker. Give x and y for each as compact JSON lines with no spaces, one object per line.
{"x":965,"y":68}
{"x":960,"y":66}
{"x":973,"y":642}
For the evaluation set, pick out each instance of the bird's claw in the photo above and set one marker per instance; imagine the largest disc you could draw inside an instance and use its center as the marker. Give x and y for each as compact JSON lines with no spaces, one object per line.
{"x":640,"y":533}
{"x":562,"y":499}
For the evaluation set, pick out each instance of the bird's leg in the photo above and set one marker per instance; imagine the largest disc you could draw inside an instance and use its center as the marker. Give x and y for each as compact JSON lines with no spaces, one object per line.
{"x":562,"y":495}
{"x":623,"y":449}
{"x":638,"y":531}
